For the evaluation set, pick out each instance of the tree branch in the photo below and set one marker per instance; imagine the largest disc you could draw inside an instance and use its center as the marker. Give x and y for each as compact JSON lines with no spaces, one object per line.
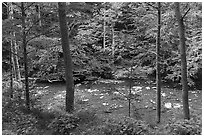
{"x":5,"y":4}
{"x":16,"y":4}
{"x":71,"y":26}
{"x":40,"y":34}
{"x":185,"y":14}
{"x":29,"y":5}
{"x":152,"y":5}
{"x":32,"y":26}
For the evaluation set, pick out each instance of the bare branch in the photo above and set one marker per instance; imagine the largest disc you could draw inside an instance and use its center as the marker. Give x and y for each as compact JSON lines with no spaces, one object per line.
{"x":151,"y":5}
{"x":29,"y":5}
{"x":27,"y":31}
{"x":71,"y":26}
{"x":185,"y":13}
{"x":16,"y":4}
{"x":40,"y":34}
{"x":5,"y":4}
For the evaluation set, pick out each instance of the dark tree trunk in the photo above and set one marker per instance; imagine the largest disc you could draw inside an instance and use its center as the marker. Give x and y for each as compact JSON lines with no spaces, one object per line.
{"x":39,"y":16}
{"x":104,"y":35}
{"x":183,"y":61}
{"x":104,"y":28}
{"x":11,"y":72}
{"x":25,"y":55}
{"x":158,"y":76}
{"x":67,"y":57}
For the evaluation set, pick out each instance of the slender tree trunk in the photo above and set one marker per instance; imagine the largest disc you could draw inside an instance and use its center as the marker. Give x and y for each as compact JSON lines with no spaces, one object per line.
{"x":12,"y":68}
{"x":183,"y":61}
{"x":11,"y":72}
{"x":104,"y":28}
{"x":15,"y":71}
{"x":130,"y":89}
{"x":39,"y":16}
{"x":67,"y":57}
{"x":158,"y":76}
{"x":16,"y":62}
{"x":23,"y":18}
{"x":113,"y":41}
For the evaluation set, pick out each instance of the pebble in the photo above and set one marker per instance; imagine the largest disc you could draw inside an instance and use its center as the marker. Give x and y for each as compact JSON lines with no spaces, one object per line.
{"x":105,"y":104}
{"x":148,"y":88}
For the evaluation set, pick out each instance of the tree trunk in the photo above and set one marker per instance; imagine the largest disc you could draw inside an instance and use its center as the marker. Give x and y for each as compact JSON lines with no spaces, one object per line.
{"x":15,"y":71}
{"x":158,"y":76}
{"x":67,"y":57}
{"x":39,"y":16}
{"x":16,"y":63}
{"x":183,"y":61}
{"x":14,"y":49}
{"x":23,"y":18}
{"x":10,"y":16}
{"x":113,"y":41}
{"x":104,"y":28}
{"x":130,"y":88}
{"x":11,"y":72}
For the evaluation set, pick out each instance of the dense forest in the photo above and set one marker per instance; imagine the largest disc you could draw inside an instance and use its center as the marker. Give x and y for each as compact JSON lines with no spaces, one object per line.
{"x":101,"y":68}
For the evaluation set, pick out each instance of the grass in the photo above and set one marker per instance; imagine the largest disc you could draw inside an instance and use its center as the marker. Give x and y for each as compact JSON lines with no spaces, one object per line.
{"x":104,"y":101}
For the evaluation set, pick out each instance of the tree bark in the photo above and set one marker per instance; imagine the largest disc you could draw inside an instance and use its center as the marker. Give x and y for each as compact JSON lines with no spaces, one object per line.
{"x":39,"y":16}
{"x":104,"y":28}
{"x":15,"y":63}
{"x":67,"y":57}
{"x":23,"y":19}
{"x":113,"y":41}
{"x":158,"y":75}
{"x":11,"y":72}
{"x":183,"y":61}
{"x":10,"y":16}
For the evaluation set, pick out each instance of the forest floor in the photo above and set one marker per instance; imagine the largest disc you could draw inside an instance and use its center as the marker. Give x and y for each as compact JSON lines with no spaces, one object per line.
{"x":105,"y":100}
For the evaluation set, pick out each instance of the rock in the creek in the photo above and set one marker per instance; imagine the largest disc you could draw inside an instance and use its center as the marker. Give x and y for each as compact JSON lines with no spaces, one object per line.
{"x":168,"y":105}
{"x":137,"y":87}
{"x":85,"y":100}
{"x":177,"y":105}
{"x":148,"y":88}
{"x":105,"y":104}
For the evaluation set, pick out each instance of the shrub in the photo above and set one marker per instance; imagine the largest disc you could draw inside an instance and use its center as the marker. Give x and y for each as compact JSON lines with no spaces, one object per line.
{"x":185,"y":127}
{"x":86,"y":116}
{"x":8,"y":132}
{"x":64,"y":124}
{"x":127,"y":126}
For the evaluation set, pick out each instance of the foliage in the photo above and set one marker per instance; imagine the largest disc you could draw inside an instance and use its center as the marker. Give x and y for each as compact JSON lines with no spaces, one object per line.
{"x":13,"y":113}
{"x":134,"y":26}
{"x":126,"y":126}
{"x":185,"y":127}
{"x":64,"y":124}
{"x":86,"y":116}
